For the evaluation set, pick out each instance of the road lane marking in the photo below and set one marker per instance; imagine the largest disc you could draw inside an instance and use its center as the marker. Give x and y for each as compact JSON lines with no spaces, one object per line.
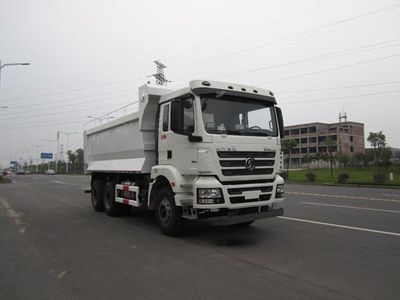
{"x":61,"y":274}
{"x":13,"y":215}
{"x":340,"y":226}
{"x":59,"y":182}
{"x":391,"y":195}
{"x":345,"y":197}
{"x":353,"y":207}
{"x":72,"y":184}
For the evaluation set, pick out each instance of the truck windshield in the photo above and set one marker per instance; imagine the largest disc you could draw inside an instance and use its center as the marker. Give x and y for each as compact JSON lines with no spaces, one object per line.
{"x":238,"y":116}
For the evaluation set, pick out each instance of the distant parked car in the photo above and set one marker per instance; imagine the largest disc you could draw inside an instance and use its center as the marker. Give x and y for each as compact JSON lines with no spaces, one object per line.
{"x":27,"y":172}
{"x":7,"y":172}
{"x":20,"y":172}
{"x":50,"y":172}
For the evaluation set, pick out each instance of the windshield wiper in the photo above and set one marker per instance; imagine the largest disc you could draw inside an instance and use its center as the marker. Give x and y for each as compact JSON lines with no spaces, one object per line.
{"x":257,"y":132}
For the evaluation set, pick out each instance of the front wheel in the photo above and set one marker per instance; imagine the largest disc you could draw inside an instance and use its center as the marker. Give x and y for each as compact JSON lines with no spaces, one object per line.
{"x":168,"y":215}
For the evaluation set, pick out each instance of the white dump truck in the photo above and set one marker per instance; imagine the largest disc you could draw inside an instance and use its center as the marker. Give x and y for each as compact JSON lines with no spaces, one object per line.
{"x":210,"y":150}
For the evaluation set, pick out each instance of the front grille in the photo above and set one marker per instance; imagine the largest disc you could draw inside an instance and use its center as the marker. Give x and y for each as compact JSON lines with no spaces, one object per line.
{"x":238,"y":172}
{"x":242,"y":199}
{"x":240,"y":163}
{"x":238,"y":191}
{"x":233,"y":162}
{"x":240,"y":154}
{"x":242,"y":182}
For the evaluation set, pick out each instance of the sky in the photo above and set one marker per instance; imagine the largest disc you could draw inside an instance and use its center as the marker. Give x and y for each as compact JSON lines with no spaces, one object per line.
{"x":88,"y":58}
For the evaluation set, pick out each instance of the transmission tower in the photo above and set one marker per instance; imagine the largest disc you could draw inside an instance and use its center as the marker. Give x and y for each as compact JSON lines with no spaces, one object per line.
{"x":160,"y":76}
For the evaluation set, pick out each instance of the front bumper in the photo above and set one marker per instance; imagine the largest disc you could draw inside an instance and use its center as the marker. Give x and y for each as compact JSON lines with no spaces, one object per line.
{"x":240,"y":195}
{"x":233,"y":218}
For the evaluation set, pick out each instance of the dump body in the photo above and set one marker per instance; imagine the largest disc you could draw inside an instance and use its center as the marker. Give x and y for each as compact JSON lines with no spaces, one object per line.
{"x":128,"y":143}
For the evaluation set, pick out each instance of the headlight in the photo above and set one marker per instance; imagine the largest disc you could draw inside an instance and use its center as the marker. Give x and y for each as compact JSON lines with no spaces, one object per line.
{"x":279,"y":191}
{"x":209,"y":196}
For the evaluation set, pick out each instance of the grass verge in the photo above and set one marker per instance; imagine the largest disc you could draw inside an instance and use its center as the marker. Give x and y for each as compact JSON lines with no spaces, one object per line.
{"x":357,"y":176}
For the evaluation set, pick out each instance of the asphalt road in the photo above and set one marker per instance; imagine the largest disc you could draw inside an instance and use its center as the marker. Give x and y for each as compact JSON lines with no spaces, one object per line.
{"x":332,"y":243}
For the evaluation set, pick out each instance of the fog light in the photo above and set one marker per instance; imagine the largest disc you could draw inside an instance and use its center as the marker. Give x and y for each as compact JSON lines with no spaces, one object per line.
{"x":279,"y":191}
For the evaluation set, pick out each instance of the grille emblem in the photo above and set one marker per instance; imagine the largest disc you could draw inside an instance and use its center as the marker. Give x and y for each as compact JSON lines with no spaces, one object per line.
{"x":250,"y":164}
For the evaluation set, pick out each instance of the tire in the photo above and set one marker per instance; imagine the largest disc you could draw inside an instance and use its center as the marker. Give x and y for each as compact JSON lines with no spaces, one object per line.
{"x":97,"y":195}
{"x":112,"y":208}
{"x":168,"y":215}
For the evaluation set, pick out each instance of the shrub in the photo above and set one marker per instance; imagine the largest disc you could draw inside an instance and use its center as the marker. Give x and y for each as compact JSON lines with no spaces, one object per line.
{"x":379,"y":178}
{"x":310,"y":176}
{"x":343,"y":177}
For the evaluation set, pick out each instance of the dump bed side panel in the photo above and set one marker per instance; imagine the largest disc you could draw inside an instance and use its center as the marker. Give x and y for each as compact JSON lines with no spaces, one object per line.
{"x":121,"y":147}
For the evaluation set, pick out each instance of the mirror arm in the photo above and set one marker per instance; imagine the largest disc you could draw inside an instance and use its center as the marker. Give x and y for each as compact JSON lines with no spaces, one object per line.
{"x":195,"y":138}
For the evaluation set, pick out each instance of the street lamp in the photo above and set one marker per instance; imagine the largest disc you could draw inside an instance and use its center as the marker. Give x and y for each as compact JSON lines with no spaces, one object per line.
{"x":12,"y":64}
{"x":67,"y":134}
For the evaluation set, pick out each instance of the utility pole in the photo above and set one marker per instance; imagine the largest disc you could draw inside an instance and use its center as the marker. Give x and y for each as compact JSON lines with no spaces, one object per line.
{"x":160,"y":76}
{"x":58,"y":149}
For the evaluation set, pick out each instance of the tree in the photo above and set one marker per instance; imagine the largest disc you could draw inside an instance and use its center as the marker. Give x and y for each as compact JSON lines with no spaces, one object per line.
{"x":307,"y":159}
{"x":71,"y":157}
{"x":378,"y":142}
{"x":331,"y":146}
{"x":79,"y":159}
{"x":343,"y":159}
{"x":386,"y":156}
{"x":359,"y":159}
{"x":287,"y":147}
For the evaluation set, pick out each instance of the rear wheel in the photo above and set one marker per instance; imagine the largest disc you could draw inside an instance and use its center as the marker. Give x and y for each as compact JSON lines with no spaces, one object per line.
{"x":168,"y":215}
{"x":97,"y":195}
{"x":112,"y":208}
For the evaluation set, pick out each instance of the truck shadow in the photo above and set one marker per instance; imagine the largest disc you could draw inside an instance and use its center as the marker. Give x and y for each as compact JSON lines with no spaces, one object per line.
{"x":201,"y":231}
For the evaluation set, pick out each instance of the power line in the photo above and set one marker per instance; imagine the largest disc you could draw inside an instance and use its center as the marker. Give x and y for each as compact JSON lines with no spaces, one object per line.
{"x":339,"y":87}
{"x":294,"y":35}
{"x":58,"y":119}
{"x":316,"y":58}
{"x":342,"y":97}
{"x":331,"y":69}
{"x":52,"y":112}
{"x":74,"y":98}
{"x":68,"y":90}
{"x":274,"y":22}
{"x":79,"y":103}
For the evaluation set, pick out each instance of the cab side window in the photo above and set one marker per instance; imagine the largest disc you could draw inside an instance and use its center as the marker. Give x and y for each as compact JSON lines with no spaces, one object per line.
{"x":182,"y":115}
{"x":165,"y":118}
{"x":188,"y":115}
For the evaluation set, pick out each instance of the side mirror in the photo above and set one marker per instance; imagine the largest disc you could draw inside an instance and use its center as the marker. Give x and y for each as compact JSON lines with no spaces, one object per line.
{"x":280,"y":122}
{"x":176,"y":116}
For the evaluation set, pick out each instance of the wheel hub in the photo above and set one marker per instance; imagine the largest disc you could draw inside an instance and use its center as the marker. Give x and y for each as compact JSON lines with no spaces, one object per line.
{"x":165,"y":211}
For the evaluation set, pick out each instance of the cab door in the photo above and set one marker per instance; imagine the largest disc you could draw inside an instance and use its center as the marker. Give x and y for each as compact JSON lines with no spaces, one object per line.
{"x":174,"y":145}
